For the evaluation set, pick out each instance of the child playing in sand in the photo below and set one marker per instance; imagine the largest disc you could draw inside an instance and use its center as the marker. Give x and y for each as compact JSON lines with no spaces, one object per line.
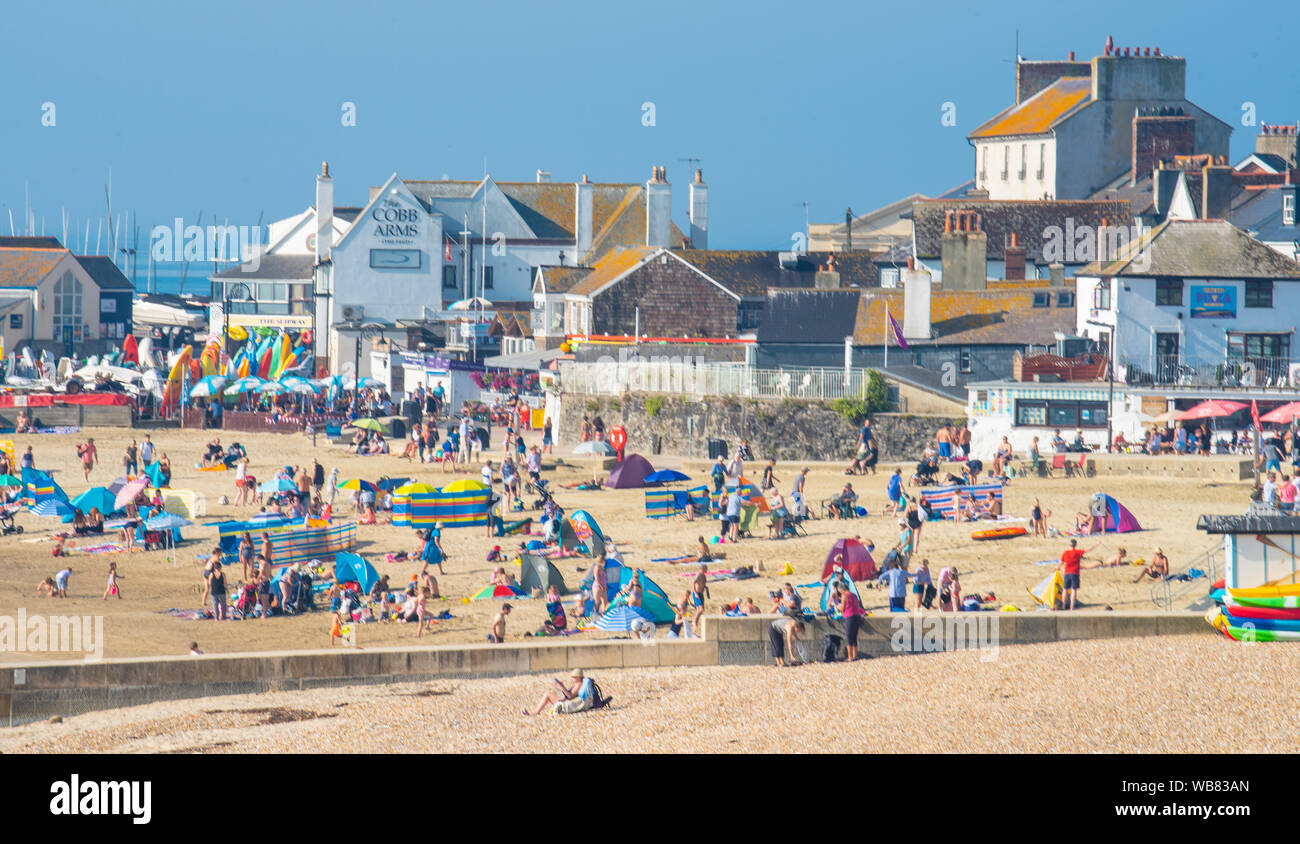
{"x":47,"y":583}
{"x":112,"y":582}
{"x":59,"y":549}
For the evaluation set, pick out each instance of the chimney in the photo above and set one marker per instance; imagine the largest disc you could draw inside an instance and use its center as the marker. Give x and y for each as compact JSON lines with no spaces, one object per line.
{"x":1216,"y":191}
{"x":1071,"y":57}
{"x":1163,"y":181}
{"x":582,"y":217}
{"x":324,"y":214}
{"x":1014,"y":258}
{"x":543,"y":175}
{"x":917,"y":288}
{"x":828,"y":276}
{"x":964,"y":254}
{"x":658,"y":209}
{"x":1280,"y":141}
{"x":1157,"y":137}
{"x":699,"y":212}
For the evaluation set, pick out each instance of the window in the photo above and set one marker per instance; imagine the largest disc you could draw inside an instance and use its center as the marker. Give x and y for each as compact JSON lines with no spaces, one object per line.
{"x":1042,"y":161}
{"x":1065,"y":300}
{"x":1060,"y":414}
{"x":1288,"y":209}
{"x":15,"y":320}
{"x":1259,"y":294}
{"x":1169,"y":291}
{"x":1042,"y":300}
{"x":963,"y":359}
{"x":1006,"y":161}
{"x":487,"y":278}
{"x":1101,"y":295}
{"x":1259,"y":346}
{"x":67,"y":306}
{"x":1024,"y":160}
{"x":984,"y":165}
{"x":449,"y":277}
{"x":107,"y":306}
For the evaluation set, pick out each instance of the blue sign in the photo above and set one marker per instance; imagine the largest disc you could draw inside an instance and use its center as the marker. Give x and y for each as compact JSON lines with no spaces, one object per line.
{"x":1214,"y":302}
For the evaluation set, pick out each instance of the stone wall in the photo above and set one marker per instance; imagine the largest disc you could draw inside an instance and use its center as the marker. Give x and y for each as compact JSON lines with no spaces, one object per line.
{"x":787,"y":429}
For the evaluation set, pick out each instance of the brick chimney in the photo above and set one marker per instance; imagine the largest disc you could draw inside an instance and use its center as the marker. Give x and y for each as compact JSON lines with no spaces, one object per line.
{"x":324,"y":214}
{"x":963,"y":250}
{"x":1014,"y":255}
{"x":582,"y":217}
{"x":658,"y":209}
{"x":699,"y":212}
{"x":1159,"y":133}
{"x":1280,"y":141}
{"x":1216,"y":191}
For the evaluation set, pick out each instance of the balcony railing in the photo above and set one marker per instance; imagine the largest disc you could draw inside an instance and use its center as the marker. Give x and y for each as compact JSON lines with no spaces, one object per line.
{"x":1237,"y":373}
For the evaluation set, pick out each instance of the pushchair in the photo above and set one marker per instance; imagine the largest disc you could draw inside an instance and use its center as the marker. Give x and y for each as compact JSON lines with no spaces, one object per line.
{"x":7,"y":525}
{"x":926,"y":473}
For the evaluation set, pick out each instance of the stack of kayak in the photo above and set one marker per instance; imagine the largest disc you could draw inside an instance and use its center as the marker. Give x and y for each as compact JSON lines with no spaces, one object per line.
{"x":1261,"y":614}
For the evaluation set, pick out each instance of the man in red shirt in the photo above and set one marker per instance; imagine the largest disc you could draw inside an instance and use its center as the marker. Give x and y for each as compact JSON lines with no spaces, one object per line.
{"x":1071,"y":561}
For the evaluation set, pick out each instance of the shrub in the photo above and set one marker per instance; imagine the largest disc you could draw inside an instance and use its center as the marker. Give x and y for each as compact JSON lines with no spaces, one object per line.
{"x":877,"y":392}
{"x":852,"y":409}
{"x":653,"y":405}
{"x":593,"y":406}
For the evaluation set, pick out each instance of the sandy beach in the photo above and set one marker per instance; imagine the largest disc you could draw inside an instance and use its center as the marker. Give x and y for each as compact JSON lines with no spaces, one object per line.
{"x":139,"y":624}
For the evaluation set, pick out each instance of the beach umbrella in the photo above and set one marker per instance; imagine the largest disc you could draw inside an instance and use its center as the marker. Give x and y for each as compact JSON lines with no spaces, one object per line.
{"x":1285,"y":414}
{"x":392,"y":483}
{"x":466,"y":485}
{"x":96,"y":498}
{"x":127,"y":493}
{"x":302,"y":388}
{"x":368,"y":424}
{"x":268,"y":519}
{"x":622,"y":617}
{"x":417,"y":488}
{"x":665,"y":476}
{"x":165,"y":523}
{"x":273,"y":388}
{"x":500,"y":593}
{"x":277,"y":485}
{"x":356,"y":485}
{"x":1210,"y":409}
{"x":208,"y":386}
{"x":469,"y":304}
{"x":247,"y":384}
{"x":598,"y":448}
{"x":53,"y":507}
{"x":10,"y":480}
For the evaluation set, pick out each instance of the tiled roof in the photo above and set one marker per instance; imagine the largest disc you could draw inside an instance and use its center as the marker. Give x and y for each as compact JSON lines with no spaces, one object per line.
{"x":1027,"y":219}
{"x":105,"y":273}
{"x":1042,"y":111}
{"x":30,"y":243}
{"x":28,"y":267}
{"x":1196,"y":249}
{"x":275,"y":267}
{"x":808,"y":316}
{"x":969,"y":317}
{"x":749,"y":272}
{"x":609,"y":268}
{"x":347,"y":212}
{"x":562,"y":279}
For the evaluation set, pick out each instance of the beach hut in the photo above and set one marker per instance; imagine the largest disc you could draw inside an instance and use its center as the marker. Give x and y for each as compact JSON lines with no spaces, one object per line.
{"x":539,"y":573}
{"x":1109,"y":516}
{"x":852,"y":556}
{"x":630,"y":474}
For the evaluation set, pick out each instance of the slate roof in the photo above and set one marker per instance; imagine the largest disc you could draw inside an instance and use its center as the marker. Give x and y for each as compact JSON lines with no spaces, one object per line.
{"x":1248,"y":524}
{"x":1042,"y":111}
{"x":609,"y":268}
{"x":748,"y":272}
{"x":275,"y":267}
{"x":28,"y":266}
{"x":562,"y":279}
{"x":30,"y":243}
{"x":105,"y":273}
{"x":1028,"y":219}
{"x":808,"y":316}
{"x":970,"y":317}
{"x":1196,"y":249}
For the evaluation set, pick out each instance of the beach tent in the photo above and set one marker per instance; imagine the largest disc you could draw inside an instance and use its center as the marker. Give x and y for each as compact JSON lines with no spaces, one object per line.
{"x":95,"y":498}
{"x":580,"y":531}
{"x":852,"y":556}
{"x":1109,"y":516}
{"x":622,"y":617}
{"x":750,"y":494}
{"x":155,"y":474}
{"x":540,"y":573}
{"x":654,"y":600}
{"x":630,"y":474}
{"x":946,"y":501}
{"x":613,"y":577}
{"x":829,"y":586}
{"x":1049,"y":591}
{"x":39,"y":486}
{"x":353,"y":567}
{"x":500,"y":593}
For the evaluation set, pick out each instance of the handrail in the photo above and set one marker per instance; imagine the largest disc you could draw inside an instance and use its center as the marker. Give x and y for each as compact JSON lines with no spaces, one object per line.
{"x":1165,"y":591}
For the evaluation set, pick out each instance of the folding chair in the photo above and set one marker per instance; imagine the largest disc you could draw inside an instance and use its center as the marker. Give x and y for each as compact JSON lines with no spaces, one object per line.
{"x":1079,"y":469}
{"x":1058,"y":465}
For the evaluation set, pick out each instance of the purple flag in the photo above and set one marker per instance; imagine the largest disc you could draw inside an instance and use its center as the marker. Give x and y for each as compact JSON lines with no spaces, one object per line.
{"x":898,"y":329}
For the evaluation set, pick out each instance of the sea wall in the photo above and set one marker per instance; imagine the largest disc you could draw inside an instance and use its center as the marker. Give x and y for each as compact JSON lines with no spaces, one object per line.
{"x":787,"y":429}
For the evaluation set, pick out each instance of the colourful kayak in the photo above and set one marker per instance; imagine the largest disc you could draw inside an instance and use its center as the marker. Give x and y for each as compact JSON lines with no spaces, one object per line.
{"x":1288,"y":602}
{"x":1289,"y":589}
{"x":999,"y":533}
{"x":1251,"y":633}
{"x":1237,"y":610}
{"x":1263,"y":623}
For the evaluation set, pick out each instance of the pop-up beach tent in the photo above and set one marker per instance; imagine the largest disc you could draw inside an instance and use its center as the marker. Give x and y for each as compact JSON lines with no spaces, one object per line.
{"x":580,"y":531}
{"x":829,"y":587}
{"x":540,"y":573}
{"x":351,"y":567}
{"x":613,"y":577}
{"x":1109,"y":516}
{"x":630,"y":474}
{"x":654,"y":600}
{"x":852,"y":556}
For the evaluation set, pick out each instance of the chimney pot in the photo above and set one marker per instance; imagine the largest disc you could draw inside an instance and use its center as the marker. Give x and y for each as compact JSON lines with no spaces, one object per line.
{"x":325,"y":168}
{"x":947,"y":222}
{"x":1013,"y":240}
{"x":1071,"y":55}
{"x":585,"y":180}
{"x":699,"y":176}
{"x":1110,"y":45}
{"x":1157,"y":50}
{"x":911,"y":262}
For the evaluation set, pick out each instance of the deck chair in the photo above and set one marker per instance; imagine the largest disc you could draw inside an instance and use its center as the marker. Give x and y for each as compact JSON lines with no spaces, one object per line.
{"x":1058,"y":465}
{"x":748,"y":520}
{"x":1032,"y":466}
{"x":1079,"y":469}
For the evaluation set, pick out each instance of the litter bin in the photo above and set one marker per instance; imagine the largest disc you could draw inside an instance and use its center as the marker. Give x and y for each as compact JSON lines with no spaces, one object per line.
{"x":410,"y":411}
{"x":717,"y":448}
{"x":398,"y":426}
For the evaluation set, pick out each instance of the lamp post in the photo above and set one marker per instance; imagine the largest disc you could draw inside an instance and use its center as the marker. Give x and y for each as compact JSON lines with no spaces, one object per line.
{"x":237,"y":292}
{"x":1110,"y":370}
{"x":368,"y":331}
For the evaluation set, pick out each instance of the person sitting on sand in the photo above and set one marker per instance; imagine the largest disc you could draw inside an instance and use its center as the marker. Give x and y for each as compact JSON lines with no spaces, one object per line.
{"x":79,"y":523}
{"x":635,"y":591}
{"x":703,"y":553}
{"x":59,"y":549}
{"x":991,"y":508}
{"x":47,"y":583}
{"x":560,"y":693}
{"x":969,"y":511}
{"x":1158,"y":570}
{"x":1083,"y":522}
{"x":497,"y":633}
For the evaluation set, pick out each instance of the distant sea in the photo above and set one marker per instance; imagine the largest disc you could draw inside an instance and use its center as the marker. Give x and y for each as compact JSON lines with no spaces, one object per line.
{"x":174,"y":279}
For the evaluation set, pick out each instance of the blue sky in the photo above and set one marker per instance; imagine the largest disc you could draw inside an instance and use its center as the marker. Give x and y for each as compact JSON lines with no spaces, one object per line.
{"x":229,"y":108}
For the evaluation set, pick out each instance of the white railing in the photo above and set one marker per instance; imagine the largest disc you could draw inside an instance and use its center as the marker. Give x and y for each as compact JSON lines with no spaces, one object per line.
{"x":710,"y":379}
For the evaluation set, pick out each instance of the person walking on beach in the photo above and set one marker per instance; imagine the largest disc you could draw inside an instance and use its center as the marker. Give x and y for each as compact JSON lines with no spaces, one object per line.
{"x":217,"y":588}
{"x":1071,"y":562}
{"x":599,"y":587}
{"x":896,"y":580}
{"x":112,"y":582}
{"x":88,"y":454}
{"x":699,"y":591}
{"x":497,"y":634}
{"x":146,"y":452}
{"x":432,"y":554}
{"x":246,"y":554}
{"x":61,"y":581}
{"x":130,"y":462}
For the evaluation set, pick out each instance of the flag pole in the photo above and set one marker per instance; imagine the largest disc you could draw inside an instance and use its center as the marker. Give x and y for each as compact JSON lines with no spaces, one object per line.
{"x":885,"y":338}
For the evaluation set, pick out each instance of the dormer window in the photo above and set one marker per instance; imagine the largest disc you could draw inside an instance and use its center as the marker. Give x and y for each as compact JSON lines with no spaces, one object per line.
{"x":1288,"y":208}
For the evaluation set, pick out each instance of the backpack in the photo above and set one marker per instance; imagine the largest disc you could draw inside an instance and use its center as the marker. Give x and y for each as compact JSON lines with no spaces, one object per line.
{"x":831,"y":653}
{"x":598,"y":699}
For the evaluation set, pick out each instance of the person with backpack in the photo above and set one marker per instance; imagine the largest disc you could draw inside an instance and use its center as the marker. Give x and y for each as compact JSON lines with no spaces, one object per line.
{"x":568,"y":696}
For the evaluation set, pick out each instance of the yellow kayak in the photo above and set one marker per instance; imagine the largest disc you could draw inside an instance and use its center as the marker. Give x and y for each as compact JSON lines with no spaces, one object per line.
{"x":1283,"y":591}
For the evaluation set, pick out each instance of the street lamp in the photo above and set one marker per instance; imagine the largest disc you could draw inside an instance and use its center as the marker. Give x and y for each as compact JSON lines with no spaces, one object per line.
{"x":236,"y":292}
{"x":1110,"y":369}
{"x":368,"y":331}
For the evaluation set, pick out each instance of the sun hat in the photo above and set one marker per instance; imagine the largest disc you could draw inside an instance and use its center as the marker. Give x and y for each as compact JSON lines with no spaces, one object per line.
{"x":577,"y":674}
